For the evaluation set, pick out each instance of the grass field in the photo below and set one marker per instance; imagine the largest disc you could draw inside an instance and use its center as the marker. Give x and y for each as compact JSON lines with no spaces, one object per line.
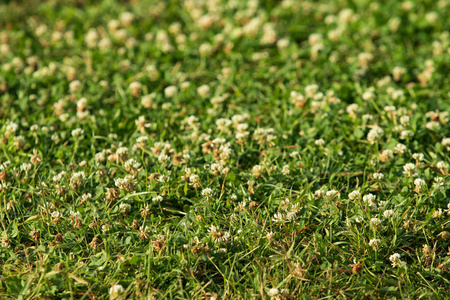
{"x":224,"y":149}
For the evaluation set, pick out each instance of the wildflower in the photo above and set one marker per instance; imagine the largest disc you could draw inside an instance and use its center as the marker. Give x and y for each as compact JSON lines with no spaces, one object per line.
{"x":388,"y":213}
{"x":375,"y":222}
{"x":5,"y":241}
{"x":395,"y":260}
{"x":370,"y":199}
{"x":319,"y":142}
{"x":116,"y":291}
{"x":442,"y":166}
{"x":319,"y":193}
{"x":142,"y":124}
{"x":207,"y":193}
{"x":386,"y":155}
{"x":357,"y":267}
{"x":35,"y":235}
{"x":368,"y":96}
{"x":285,"y":171}
{"x":446,"y":143}
{"x":409,"y":169}
{"x":404,"y":120}
{"x":77,"y":132}
{"x":157,"y":199}
{"x":126,"y":183}
{"x":204,"y":91}
{"x":273,"y":292}
{"x":418,"y":156}
{"x":398,"y":72}
{"x":437,"y":214}
{"x":77,"y":179}
{"x":378,"y":176}
{"x":352,"y":110}
{"x":400,"y":149}
{"x":419,"y":183}
{"x":374,"y":243}
{"x":444,"y":235}
{"x":438,"y":182}
{"x":354,"y":195}
{"x":278,"y":217}
{"x":405,"y":134}
{"x":375,"y":134}
{"x":124,"y":207}
{"x":331,"y":193}
{"x":132,"y":165}
{"x":257,"y":170}
{"x":170,"y":91}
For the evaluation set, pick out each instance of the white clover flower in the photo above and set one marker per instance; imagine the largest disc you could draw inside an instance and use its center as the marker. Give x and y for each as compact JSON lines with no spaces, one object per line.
{"x":375,"y":134}
{"x":170,"y":91}
{"x":142,"y":140}
{"x":122,"y":151}
{"x":12,"y":127}
{"x":100,"y":157}
{"x":378,"y":176}
{"x":395,"y":260}
{"x":132,"y":164}
{"x":77,"y":132}
{"x":331,"y":193}
{"x":163,"y":158}
{"x":442,"y":166}
{"x":78,"y":176}
{"x":419,"y":183}
{"x":25,"y":167}
{"x":126,"y":18}
{"x":164,"y":178}
{"x":257,"y":170}
{"x":400,"y":149}
{"x":438,"y":213}
{"x":59,"y":176}
{"x":207,"y":193}
{"x":157,"y":199}
{"x":216,"y":168}
{"x":290,"y":216}
{"x":418,"y":156}
{"x":319,"y":193}
{"x":387,"y":154}
{"x":285,"y":171}
{"x":354,"y":195}
{"x":352,"y":109}
{"x":319,"y":142}
{"x":404,"y":120}
{"x":370,"y":198}
{"x":375,"y":221}
{"x":278,"y":217}
{"x":409,"y":169}
{"x":86,"y":197}
{"x":406,"y":134}
{"x":116,"y":291}
{"x":273,"y":292}
{"x":368,"y":96}
{"x":203,"y":91}
{"x":374,"y":243}
{"x":446,"y":142}
{"x":438,"y":182}
{"x":388,"y":213}
{"x":56,"y":214}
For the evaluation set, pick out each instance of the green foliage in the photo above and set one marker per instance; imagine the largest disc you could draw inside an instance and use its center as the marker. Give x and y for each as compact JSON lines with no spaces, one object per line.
{"x":224,"y":149}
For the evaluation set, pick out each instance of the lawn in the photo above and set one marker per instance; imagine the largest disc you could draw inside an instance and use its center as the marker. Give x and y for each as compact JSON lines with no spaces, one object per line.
{"x":224,"y":149}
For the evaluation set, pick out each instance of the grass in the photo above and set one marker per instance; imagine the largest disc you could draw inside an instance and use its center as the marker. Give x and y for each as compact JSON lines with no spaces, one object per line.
{"x":224,"y":149}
